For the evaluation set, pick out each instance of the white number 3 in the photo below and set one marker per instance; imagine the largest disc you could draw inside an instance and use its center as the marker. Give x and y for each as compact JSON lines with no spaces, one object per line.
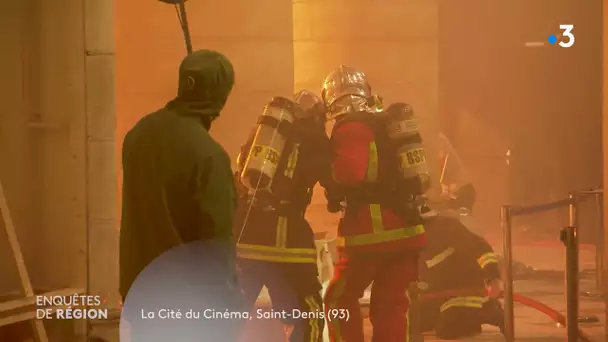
{"x":567,"y":33}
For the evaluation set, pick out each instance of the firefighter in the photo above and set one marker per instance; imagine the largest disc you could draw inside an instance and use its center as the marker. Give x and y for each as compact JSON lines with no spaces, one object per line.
{"x":456,"y":259}
{"x":276,"y":247}
{"x":378,"y":165}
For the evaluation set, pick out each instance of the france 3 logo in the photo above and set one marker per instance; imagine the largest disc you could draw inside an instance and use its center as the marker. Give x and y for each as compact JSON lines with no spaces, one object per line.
{"x":567,"y":37}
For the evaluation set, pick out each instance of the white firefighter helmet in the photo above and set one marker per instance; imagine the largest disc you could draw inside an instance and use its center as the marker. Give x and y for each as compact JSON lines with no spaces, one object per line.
{"x":346,"y":89}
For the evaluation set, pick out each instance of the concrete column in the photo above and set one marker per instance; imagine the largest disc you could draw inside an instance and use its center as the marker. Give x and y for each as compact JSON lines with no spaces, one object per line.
{"x":255,"y":35}
{"x":42,"y":139}
{"x":605,"y":148}
{"x":99,"y":138}
{"x":58,"y":140}
{"x":394,"y":42}
{"x":55,"y":126}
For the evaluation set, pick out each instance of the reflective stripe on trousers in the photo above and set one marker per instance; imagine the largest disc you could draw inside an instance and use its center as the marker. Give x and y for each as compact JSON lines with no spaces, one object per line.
{"x":316,"y":331}
{"x":464,"y":302}
{"x":276,"y":254}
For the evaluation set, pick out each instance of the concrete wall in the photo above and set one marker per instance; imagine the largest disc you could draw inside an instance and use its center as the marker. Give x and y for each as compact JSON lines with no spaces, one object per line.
{"x":502,"y":93}
{"x":255,"y":35}
{"x":43,"y":121}
{"x":50,"y":91}
{"x":57,"y":96}
{"x":394,"y":42}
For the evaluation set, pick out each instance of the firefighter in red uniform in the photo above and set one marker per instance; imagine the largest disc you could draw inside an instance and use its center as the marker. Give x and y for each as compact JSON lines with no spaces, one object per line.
{"x":379,"y":167}
{"x":280,"y":164}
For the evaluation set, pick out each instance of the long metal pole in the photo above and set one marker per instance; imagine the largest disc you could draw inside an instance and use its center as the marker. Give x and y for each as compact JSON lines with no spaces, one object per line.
{"x":505,"y":222}
{"x":605,"y":156}
{"x":414,"y":323}
{"x":599,"y":244}
{"x":185,"y":27}
{"x":572,"y":270}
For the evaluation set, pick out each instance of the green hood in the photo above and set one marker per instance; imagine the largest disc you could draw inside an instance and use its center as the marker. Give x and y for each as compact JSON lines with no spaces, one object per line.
{"x":206,"y":79}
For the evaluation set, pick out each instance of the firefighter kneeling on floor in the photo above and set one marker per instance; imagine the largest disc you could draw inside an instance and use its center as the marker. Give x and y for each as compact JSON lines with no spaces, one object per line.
{"x":379,"y":167}
{"x":456,"y":259}
{"x":280,"y":164}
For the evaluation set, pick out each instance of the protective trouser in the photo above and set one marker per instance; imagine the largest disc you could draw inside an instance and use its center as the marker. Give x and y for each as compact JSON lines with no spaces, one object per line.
{"x":291,"y":286}
{"x":461,"y":317}
{"x":391,"y":275}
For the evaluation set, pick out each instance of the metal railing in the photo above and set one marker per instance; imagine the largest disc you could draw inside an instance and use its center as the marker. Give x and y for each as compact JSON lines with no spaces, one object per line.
{"x":569,"y":236}
{"x":599,"y":237}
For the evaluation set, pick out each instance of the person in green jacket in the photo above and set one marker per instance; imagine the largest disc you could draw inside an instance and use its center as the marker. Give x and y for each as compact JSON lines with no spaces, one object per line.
{"x":176,"y":242}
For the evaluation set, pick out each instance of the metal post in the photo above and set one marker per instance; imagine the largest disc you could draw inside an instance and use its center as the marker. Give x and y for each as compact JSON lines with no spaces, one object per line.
{"x":599,"y":244}
{"x":605,"y":148}
{"x":572,"y":283}
{"x":572,"y":214}
{"x":414,"y":316}
{"x":505,"y":222}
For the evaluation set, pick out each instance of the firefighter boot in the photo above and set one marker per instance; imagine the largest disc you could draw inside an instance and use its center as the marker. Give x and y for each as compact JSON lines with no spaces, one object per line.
{"x":493,"y":314}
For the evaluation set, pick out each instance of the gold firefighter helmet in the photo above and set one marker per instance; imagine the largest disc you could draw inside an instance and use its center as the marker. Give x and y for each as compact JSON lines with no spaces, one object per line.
{"x":346,"y":89}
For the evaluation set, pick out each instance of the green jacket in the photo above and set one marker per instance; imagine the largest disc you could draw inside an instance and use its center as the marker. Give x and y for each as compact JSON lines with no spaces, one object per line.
{"x":177,"y":180}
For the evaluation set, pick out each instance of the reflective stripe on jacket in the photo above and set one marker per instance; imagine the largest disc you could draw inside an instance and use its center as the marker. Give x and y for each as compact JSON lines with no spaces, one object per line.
{"x":437,"y":259}
{"x":487,"y":259}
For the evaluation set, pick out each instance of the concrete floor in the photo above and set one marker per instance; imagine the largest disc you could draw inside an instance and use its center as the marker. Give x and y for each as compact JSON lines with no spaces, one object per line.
{"x":530,"y":325}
